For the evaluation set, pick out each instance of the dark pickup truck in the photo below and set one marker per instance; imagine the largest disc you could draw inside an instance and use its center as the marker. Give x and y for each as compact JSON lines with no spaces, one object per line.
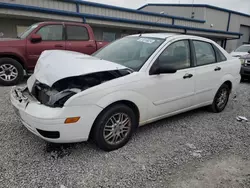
{"x":245,"y":67}
{"x":21,"y":53}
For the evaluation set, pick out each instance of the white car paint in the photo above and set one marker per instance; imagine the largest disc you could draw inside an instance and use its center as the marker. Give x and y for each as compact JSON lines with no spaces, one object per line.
{"x":67,"y":64}
{"x":156,"y":96}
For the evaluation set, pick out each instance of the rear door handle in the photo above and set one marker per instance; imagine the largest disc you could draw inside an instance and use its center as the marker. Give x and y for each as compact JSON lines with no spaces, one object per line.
{"x":58,"y":46}
{"x":186,"y":76}
{"x":217,"y":69}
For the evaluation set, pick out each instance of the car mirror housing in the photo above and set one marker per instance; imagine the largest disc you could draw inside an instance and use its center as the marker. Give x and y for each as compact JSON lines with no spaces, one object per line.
{"x":162,"y":69}
{"x":36,"y":38}
{"x":249,"y":51}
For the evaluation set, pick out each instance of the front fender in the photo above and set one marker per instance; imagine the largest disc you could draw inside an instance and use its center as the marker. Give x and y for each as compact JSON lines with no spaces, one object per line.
{"x":19,"y":53}
{"x":139,"y":100}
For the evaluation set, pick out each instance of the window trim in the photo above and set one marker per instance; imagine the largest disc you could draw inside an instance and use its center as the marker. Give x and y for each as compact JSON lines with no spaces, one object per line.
{"x":63,"y":33}
{"x":66,"y":33}
{"x":190,"y":51}
{"x":196,"y":65}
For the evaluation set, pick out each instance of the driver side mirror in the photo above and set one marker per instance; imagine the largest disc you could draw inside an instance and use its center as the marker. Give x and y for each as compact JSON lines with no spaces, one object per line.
{"x":35,"y":38}
{"x":249,"y":51}
{"x":161,"y":69}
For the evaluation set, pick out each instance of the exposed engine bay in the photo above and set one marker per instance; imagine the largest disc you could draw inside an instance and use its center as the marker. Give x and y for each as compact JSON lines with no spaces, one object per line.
{"x":62,"y":90}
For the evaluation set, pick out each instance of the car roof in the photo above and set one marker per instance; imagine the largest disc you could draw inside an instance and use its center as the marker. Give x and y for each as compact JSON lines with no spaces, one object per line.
{"x":172,"y":35}
{"x":157,"y":35}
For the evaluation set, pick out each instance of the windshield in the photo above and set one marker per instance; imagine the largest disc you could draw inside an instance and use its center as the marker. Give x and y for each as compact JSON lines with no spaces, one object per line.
{"x":27,"y":31}
{"x":243,"y":49}
{"x":131,"y":52}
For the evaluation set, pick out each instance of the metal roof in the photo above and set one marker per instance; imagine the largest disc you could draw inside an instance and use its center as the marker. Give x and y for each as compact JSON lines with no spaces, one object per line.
{"x":195,"y":5}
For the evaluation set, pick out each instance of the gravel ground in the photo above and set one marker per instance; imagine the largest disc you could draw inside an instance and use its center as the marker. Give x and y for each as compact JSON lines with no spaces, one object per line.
{"x":194,"y":149}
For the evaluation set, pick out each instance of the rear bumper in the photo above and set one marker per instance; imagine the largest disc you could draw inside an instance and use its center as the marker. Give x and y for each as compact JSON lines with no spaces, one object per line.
{"x":47,"y":122}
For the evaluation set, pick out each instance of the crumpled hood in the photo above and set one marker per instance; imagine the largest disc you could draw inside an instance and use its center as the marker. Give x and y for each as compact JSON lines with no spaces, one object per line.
{"x":54,"y":65}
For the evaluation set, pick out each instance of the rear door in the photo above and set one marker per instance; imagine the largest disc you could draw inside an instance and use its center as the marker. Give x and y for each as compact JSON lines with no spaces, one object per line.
{"x":78,"y":39}
{"x":52,"y":38}
{"x":209,"y":71}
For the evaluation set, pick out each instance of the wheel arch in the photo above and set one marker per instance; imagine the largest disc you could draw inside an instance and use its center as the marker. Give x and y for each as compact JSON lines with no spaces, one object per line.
{"x":228,"y":80}
{"x":15,"y":57}
{"x":229,"y":84}
{"x":128,"y":103}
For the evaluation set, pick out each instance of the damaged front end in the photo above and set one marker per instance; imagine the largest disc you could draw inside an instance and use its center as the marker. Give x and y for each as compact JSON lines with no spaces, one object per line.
{"x":62,"y":90}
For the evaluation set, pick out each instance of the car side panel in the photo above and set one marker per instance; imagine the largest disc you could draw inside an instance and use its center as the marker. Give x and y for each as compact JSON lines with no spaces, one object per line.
{"x":142,"y":103}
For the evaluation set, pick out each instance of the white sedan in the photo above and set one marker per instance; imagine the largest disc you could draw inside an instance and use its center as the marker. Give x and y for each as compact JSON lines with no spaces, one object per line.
{"x":136,"y":80}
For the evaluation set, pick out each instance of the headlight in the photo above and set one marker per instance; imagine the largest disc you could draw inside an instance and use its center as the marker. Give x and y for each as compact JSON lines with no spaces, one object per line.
{"x":242,"y":61}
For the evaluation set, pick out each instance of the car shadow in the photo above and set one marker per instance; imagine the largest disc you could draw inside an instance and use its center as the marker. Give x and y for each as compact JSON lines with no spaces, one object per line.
{"x":62,"y":150}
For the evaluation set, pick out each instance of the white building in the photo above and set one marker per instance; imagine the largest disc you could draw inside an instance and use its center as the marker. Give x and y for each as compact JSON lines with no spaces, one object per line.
{"x":229,"y":28}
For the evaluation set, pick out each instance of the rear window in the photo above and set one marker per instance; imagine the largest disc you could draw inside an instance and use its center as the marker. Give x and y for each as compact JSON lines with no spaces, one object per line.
{"x":204,"y":53}
{"x":75,"y":32}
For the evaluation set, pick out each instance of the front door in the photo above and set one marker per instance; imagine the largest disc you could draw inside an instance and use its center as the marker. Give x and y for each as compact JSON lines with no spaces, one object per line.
{"x":172,"y":92}
{"x":78,"y":40}
{"x":52,"y":38}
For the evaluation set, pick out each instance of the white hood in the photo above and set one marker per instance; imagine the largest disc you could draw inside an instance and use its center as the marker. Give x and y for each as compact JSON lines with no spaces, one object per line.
{"x":54,"y":65}
{"x":238,"y":54}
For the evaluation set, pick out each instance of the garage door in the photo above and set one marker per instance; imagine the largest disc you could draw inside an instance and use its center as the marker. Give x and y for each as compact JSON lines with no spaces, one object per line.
{"x":245,"y":30}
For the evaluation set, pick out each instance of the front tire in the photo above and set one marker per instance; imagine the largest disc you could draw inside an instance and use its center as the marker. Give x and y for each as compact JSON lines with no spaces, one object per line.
{"x":11,"y":72}
{"x":114,"y":127}
{"x":220,"y":99}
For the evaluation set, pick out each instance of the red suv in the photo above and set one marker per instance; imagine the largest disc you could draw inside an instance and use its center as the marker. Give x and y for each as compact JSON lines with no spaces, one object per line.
{"x":22,"y":53}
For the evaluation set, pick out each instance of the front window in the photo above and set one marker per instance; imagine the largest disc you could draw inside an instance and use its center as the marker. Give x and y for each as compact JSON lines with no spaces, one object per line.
{"x":243,"y":49}
{"x":27,"y":31}
{"x":176,"y":55}
{"x":130,"y":52}
{"x":51,"y":32}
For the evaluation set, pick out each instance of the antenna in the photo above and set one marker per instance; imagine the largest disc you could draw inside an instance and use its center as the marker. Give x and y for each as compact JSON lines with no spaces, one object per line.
{"x":162,"y":12}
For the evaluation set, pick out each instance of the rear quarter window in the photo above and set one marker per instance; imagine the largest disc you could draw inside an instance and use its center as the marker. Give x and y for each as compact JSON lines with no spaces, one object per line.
{"x":220,"y":56}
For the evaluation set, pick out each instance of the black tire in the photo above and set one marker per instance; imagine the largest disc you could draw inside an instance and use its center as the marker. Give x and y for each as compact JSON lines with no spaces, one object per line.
{"x":103,"y":119}
{"x":19,"y":71}
{"x":215,"y":106}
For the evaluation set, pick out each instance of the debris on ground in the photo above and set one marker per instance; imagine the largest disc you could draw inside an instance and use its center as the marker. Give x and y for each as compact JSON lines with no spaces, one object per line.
{"x":242,"y":119}
{"x":191,"y":146}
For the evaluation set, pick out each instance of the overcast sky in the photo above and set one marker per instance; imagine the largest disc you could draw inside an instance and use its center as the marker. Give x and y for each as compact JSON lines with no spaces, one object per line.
{"x":237,"y":5}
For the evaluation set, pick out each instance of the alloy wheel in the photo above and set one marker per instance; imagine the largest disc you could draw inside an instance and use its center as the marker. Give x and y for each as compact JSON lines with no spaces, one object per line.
{"x":117,"y":128}
{"x":8,"y":72}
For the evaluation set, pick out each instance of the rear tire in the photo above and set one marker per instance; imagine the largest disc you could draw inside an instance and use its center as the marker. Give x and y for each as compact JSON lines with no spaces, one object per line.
{"x":114,"y":127}
{"x":220,"y":99}
{"x":11,"y":71}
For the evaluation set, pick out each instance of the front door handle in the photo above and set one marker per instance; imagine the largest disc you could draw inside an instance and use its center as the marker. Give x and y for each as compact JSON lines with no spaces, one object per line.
{"x":217,"y":69}
{"x":186,"y":76}
{"x":58,"y":46}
